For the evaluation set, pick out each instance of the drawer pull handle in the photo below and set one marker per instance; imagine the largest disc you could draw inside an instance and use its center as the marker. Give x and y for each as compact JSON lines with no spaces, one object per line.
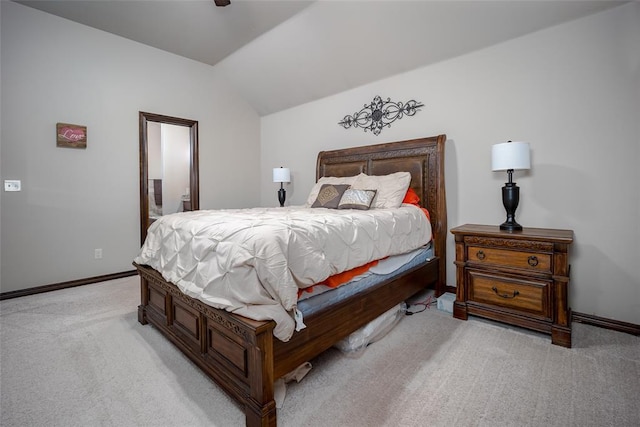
{"x":480,"y":255}
{"x":533,"y":261}
{"x":515,"y":293}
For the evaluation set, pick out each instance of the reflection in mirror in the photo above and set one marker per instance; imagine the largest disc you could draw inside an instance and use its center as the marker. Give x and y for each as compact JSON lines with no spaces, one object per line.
{"x":168,"y":167}
{"x":169,"y":147}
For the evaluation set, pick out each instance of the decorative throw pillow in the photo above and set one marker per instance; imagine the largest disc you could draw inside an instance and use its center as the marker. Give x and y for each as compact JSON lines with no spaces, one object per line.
{"x":357,"y":199}
{"x":391,"y":188}
{"x":411,"y":197}
{"x":313,"y":195}
{"x":329,"y":196}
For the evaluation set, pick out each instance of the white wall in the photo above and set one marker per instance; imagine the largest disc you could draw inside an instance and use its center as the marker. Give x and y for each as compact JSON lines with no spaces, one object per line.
{"x":74,"y":201}
{"x":154,"y":150}
{"x":571,"y":91}
{"x":176,"y":160}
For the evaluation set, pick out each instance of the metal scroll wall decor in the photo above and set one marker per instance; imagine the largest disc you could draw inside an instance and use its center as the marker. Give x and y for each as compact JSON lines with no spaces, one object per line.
{"x":380,"y":114}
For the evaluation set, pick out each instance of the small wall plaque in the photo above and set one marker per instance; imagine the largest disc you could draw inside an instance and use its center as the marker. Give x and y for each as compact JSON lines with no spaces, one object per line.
{"x":380,"y":114}
{"x":71,"y":136}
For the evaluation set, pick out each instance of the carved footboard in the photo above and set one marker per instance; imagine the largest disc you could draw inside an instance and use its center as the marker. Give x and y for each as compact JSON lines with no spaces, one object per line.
{"x":237,"y":353}
{"x":241,"y":355}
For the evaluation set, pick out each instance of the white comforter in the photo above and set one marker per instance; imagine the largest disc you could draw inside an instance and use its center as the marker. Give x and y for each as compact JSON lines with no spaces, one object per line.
{"x":253,"y":261}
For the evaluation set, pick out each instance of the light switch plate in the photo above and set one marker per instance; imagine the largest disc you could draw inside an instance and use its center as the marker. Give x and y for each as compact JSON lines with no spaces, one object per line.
{"x":12,"y":185}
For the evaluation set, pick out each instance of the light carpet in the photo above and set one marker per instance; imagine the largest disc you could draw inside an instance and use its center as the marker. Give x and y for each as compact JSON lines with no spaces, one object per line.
{"x":79,"y":357}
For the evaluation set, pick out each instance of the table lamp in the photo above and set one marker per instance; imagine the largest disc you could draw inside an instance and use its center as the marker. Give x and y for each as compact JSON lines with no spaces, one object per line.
{"x":281,"y":175}
{"x":510,"y":156}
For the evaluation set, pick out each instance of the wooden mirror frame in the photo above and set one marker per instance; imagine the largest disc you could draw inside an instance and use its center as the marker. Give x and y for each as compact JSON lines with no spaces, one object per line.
{"x":194,"y":182}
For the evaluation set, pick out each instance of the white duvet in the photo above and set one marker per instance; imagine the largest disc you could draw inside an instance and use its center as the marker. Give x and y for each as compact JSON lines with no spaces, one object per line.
{"x":253,"y":261}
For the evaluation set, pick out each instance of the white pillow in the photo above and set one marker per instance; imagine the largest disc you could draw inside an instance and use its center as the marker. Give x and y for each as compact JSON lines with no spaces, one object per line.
{"x":391,"y":188}
{"x":328,"y":180}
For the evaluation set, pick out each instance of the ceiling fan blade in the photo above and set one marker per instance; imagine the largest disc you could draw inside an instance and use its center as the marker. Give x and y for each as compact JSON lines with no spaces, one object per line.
{"x":222,"y":3}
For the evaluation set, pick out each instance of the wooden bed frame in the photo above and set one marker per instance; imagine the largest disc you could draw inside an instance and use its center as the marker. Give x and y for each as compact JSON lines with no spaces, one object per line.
{"x":241,"y":355}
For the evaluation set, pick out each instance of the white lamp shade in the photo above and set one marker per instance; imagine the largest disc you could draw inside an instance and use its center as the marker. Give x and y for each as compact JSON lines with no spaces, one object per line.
{"x":510,"y":155}
{"x":281,"y":175}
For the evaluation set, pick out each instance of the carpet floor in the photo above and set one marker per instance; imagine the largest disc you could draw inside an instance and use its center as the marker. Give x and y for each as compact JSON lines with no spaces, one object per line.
{"x":79,"y":357}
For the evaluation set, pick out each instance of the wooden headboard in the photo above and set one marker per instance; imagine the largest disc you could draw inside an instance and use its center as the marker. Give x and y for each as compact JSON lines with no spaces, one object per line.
{"x":423,"y":158}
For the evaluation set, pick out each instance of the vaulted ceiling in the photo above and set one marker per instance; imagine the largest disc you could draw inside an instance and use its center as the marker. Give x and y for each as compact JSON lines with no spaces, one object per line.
{"x":283,"y":53}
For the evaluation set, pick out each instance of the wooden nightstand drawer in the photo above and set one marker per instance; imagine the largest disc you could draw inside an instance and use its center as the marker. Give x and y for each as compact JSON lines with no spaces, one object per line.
{"x":522,"y":295}
{"x":510,"y":258}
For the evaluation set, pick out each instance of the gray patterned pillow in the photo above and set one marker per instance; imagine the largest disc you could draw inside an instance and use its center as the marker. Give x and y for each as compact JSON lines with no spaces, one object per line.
{"x":357,"y":199}
{"x":329,"y":196}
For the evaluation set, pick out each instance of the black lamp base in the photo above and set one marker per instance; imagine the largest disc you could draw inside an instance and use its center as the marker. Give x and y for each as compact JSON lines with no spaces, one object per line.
{"x":510,"y":226}
{"x":282,"y":194}
{"x":510,"y":200}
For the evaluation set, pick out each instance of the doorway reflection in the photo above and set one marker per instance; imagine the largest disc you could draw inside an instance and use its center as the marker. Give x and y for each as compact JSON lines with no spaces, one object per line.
{"x":169,"y":150}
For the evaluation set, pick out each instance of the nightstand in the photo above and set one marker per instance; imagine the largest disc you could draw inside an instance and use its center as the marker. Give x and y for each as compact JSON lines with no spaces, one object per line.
{"x":518,"y":277}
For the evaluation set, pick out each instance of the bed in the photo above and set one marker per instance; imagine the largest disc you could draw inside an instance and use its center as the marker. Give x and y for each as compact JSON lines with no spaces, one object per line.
{"x":242,"y":355}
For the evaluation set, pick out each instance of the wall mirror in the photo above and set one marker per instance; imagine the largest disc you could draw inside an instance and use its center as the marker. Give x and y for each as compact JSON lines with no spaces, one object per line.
{"x":169,"y":174}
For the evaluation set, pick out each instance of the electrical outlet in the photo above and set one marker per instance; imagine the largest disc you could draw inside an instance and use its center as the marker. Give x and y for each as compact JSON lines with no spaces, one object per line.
{"x":12,"y":185}
{"x":98,"y":254}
